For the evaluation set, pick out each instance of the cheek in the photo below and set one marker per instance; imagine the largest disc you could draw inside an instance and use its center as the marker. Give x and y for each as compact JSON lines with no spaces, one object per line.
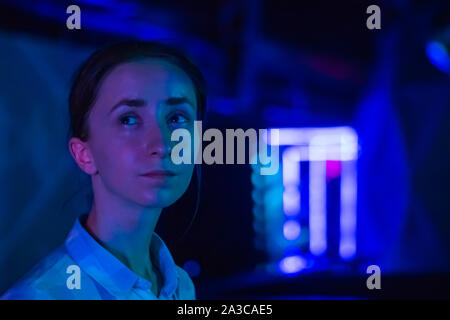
{"x":115,"y":158}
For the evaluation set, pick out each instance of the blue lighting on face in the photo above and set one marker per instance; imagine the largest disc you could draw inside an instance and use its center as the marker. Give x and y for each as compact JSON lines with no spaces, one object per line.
{"x":438,"y":55}
{"x":192,"y":267}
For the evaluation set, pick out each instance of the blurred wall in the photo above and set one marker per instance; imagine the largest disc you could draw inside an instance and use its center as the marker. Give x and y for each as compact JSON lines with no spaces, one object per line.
{"x":39,"y":177}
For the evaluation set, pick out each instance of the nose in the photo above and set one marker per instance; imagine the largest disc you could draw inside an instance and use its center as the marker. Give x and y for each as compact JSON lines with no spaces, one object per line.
{"x":161,"y":150}
{"x":158,"y":144}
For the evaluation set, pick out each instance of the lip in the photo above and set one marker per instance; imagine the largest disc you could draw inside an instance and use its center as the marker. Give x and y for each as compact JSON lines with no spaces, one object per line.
{"x":159,"y":174}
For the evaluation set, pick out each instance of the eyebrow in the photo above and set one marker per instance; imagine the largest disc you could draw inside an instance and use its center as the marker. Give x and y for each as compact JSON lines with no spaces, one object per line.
{"x":172,"y":101}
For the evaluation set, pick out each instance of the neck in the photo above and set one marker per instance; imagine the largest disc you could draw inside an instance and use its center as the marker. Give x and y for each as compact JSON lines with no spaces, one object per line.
{"x":125,"y":232}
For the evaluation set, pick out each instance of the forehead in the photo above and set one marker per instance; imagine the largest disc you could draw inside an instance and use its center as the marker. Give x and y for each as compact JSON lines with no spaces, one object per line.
{"x":150,"y":79}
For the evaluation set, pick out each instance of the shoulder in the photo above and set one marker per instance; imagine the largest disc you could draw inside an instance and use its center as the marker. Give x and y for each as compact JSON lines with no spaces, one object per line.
{"x":44,"y":279}
{"x":22,"y":292}
{"x":186,"y":288}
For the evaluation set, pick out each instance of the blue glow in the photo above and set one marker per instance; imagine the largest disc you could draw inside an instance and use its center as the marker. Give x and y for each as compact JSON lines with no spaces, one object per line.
{"x":291,"y":201}
{"x":291,"y":230}
{"x":192,"y":267}
{"x":318,"y":145}
{"x":273,"y":199}
{"x":291,"y":181}
{"x":317,"y":208}
{"x":101,"y":3}
{"x":438,"y":55}
{"x":223,"y":105}
{"x":347,"y":242}
{"x":292,"y":264}
{"x":108,"y":22}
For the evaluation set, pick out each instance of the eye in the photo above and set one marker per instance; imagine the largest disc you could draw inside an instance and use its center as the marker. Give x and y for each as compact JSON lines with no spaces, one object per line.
{"x":178,"y":118}
{"x":128,"y":120}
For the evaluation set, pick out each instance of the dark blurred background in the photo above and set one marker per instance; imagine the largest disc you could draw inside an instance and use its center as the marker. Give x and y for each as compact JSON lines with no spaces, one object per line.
{"x":268,"y":64}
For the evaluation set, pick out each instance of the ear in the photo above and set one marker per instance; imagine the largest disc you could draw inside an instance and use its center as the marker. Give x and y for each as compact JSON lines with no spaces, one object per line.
{"x":82,"y":155}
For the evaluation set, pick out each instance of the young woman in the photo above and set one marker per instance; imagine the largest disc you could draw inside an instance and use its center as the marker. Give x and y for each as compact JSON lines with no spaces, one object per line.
{"x":125,"y":102}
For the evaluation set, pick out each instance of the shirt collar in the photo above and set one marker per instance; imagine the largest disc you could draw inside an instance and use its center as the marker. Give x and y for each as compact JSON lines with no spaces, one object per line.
{"x":110,"y":272}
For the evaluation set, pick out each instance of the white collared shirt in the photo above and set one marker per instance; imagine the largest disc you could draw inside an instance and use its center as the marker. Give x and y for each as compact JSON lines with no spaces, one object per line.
{"x":102,"y":275}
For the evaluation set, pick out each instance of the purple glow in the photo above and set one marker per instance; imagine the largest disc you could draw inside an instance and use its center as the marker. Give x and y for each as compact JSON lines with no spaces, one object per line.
{"x":317,"y":208}
{"x":291,"y":182}
{"x":291,"y":230}
{"x":347,"y":244}
{"x":292,"y":264}
{"x":291,"y":201}
{"x":319,"y":146}
{"x":333,"y":170}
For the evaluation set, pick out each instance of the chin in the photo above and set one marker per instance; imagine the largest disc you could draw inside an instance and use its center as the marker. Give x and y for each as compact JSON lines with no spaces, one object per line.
{"x":160,"y":199}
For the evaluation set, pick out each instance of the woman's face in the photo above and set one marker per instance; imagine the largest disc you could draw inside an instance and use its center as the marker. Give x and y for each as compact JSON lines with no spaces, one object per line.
{"x":138,"y":106}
